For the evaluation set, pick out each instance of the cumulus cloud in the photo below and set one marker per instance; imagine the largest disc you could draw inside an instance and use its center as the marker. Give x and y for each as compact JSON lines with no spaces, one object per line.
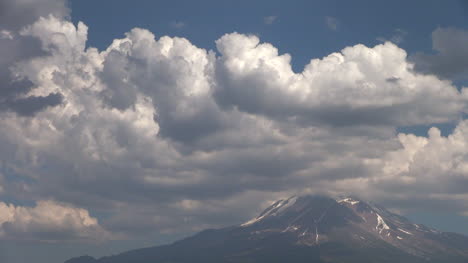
{"x":450,"y":60}
{"x":435,"y":163}
{"x":49,"y":221}
{"x":174,"y":137}
{"x":16,"y":47}
{"x":174,"y":74}
{"x":359,"y":85}
{"x":17,"y":92}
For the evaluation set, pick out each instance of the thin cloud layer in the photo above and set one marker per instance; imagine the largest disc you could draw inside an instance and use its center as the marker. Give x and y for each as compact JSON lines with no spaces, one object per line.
{"x":164,"y":136}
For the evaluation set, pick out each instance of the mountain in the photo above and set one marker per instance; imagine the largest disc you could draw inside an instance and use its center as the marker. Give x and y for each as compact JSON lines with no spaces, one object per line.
{"x":312,"y":229}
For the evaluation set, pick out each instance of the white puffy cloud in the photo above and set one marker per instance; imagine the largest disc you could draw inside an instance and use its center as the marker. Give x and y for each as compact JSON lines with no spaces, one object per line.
{"x":422,"y":173}
{"x":360,"y":85}
{"x":58,"y":35}
{"x":49,"y":221}
{"x":437,"y":163}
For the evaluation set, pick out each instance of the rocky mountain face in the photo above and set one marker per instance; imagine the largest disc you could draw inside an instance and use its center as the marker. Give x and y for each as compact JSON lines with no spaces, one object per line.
{"x":310,"y":229}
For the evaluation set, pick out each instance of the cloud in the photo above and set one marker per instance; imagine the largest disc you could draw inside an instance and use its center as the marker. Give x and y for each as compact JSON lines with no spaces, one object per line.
{"x":440,"y":160}
{"x":332,"y":23}
{"x":32,"y":104}
{"x":173,"y":73}
{"x":427,"y":172}
{"x":48,"y":221}
{"x":178,"y":24}
{"x":268,"y":20}
{"x":5,"y":34}
{"x":450,"y":60}
{"x":359,"y":85}
{"x":15,"y":14}
{"x":17,"y":92}
{"x":161,"y":135}
{"x":397,"y":38}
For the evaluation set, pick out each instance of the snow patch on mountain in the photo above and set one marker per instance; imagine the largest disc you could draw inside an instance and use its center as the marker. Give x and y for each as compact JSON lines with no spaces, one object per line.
{"x":404,"y":231}
{"x":291,"y":229}
{"x":276,"y":209}
{"x":253,"y":221}
{"x":381,"y":225}
{"x":285,"y":204}
{"x":349,"y":201}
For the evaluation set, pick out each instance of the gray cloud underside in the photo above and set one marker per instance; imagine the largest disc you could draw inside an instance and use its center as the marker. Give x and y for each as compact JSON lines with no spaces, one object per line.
{"x":450,"y":60}
{"x":14,"y":15}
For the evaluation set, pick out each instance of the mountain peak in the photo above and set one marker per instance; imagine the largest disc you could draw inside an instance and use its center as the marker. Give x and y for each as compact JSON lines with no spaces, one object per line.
{"x":302,"y":204}
{"x":349,"y":200}
{"x":316,"y":219}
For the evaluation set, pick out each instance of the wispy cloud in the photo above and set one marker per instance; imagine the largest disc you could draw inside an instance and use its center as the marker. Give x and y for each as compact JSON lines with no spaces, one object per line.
{"x":397,"y":37}
{"x":178,"y":24}
{"x":268,"y":20}
{"x":332,"y":23}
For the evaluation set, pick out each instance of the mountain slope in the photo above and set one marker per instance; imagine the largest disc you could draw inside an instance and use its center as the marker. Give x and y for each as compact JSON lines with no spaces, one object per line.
{"x":310,"y":229}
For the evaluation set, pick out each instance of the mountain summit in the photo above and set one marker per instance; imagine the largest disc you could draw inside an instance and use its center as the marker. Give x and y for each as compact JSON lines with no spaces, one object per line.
{"x":310,"y":229}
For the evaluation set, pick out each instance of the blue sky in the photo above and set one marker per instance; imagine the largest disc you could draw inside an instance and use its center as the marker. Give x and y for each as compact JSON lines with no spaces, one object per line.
{"x":137,"y":137}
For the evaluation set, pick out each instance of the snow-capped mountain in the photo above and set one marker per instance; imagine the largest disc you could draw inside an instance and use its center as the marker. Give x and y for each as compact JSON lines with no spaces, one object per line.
{"x":316,"y":220}
{"x":311,"y":229}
